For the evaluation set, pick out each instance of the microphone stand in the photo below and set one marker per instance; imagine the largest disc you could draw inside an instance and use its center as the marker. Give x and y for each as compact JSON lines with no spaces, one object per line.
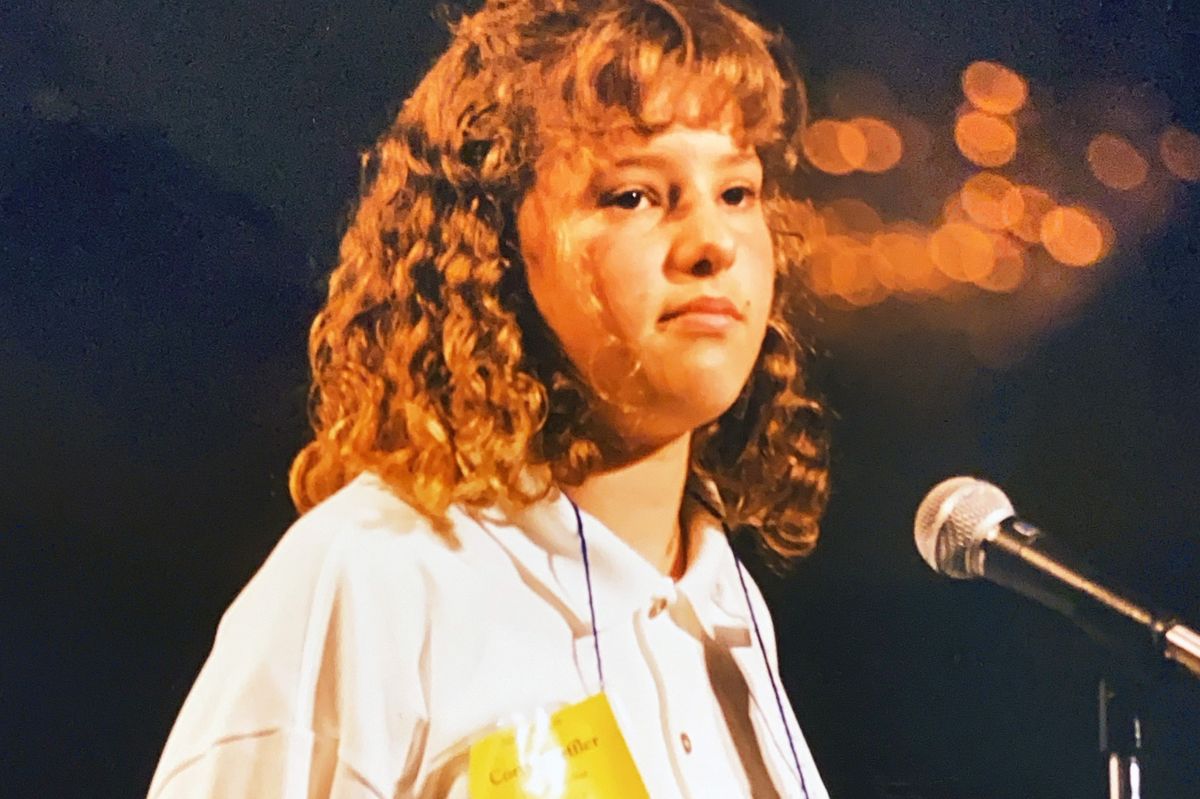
{"x":1120,"y":738}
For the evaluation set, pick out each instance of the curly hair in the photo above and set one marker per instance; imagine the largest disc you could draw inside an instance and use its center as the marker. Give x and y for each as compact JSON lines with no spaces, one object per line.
{"x":431,"y":366}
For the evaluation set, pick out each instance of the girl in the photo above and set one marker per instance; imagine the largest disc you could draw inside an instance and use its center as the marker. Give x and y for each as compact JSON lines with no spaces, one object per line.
{"x":554,"y":372}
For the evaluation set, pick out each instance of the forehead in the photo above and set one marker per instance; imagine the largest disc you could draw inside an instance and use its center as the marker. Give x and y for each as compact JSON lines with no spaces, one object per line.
{"x":674,"y":99}
{"x":688,"y":143}
{"x":576,"y":161}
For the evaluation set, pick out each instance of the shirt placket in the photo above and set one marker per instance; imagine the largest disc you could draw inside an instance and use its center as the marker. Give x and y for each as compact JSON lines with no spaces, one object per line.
{"x":675,"y":661}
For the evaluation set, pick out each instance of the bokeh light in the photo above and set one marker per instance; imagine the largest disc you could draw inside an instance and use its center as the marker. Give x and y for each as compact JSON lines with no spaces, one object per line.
{"x":994,"y":88}
{"x":1116,"y":163}
{"x":851,"y":216}
{"x":1010,"y":227}
{"x":853,"y":271}
{"x":984,"y":139}
{"x":992,"y":201}
{"x":1035,"y":204}
{"x":909,"y":266}
{"x":1009,"y":267}
{"x":953,"y":211}
{"x":843,"y":268}
{"x":884,"y":145}
{"x":835,"y":147}
{"x":1180,"y":153}
{"x":962,"y":252}
{"x":1074,"y":236}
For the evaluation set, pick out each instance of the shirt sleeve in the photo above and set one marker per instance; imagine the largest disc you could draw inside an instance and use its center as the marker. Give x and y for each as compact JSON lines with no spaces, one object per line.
{"x":313,"y":687}
{"x":278,"y":762}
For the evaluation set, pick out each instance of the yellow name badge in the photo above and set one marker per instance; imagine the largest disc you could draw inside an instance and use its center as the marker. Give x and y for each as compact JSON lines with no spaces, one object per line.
{"x":577,"y":752}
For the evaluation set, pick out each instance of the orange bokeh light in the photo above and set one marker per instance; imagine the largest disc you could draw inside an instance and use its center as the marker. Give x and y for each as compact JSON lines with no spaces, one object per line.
{"x":992,"y":201}
{"x":962,"y":252}
{"x":820,"y":263}
{"x":884,"y":145}
{"x":1116,"y":163}
{"x":984,"y":139}
{"x":1035,"y":204}
{"x":994,"y":88}
{"x":835,"y":147}
{"x":850,"y":216}
{"x":844,"y":269}
{"x":1073,"y":236}
{"x":1180,"y":153}
{"x":853,"y":274}
{"x":952,"y":209}
{"x":817,"y":267}
{"x":910,"y":267}
{"x":993,"y":234}
{"x":1009,"y":270}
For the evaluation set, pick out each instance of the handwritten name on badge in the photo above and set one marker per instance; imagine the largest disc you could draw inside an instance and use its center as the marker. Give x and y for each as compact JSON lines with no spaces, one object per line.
{"x":577,"y":752}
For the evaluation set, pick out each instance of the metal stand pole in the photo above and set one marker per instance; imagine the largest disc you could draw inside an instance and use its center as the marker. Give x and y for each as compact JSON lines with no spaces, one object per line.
{"x":1120,"y":740}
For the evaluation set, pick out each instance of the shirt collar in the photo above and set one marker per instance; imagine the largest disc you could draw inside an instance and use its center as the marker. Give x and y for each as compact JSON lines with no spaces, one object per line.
{"x":543,"y":539}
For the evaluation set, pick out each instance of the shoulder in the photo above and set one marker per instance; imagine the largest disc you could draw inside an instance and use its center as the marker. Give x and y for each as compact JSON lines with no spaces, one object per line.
{"x":341,"y":607}
{"x":363,"y":517}
{"x":362,"y":575}
{"x":362,"y":538}
{"x":355,"y":580}
{"x":350,"y":576}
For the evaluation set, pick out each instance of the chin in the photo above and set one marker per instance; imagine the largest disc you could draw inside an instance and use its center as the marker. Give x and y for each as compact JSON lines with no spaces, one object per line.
{"x":711,"y":388}
{"x":690,"y":395}
{"x":705,"y":404}
{"x":675,"y":413}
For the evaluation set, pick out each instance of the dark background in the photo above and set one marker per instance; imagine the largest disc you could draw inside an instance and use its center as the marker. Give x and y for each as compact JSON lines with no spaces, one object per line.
{"x":173,"y":181}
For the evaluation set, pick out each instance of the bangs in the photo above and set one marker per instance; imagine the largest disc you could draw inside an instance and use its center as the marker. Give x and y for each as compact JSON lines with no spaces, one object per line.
{"x":650,"y":64}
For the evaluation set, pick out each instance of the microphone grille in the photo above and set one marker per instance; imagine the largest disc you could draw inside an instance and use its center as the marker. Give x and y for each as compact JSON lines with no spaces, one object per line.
{"x":953,"y":519}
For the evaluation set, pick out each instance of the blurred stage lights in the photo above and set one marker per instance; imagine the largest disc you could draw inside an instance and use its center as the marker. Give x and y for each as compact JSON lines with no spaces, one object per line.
{"x":994,"y":88}
{"x":1179,"y":150}
{"x":865,"y":144}
{"x":986,"y":140}
{"x":1116,"y":163}
{"x":995,"y":231}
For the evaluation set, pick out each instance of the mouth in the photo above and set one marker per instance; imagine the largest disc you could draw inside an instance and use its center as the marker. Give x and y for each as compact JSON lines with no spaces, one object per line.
{"x":714,"y":308}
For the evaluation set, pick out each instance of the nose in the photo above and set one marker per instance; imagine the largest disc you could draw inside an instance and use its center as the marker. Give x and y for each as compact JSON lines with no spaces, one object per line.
{"x":704,"y":244}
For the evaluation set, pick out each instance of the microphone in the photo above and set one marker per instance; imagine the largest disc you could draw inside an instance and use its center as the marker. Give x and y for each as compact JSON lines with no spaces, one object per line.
{"x":966,"y":528}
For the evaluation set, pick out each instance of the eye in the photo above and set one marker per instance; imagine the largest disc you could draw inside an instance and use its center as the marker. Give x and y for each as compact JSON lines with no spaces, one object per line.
{"x":628,"y":200}
{"x":738,"y":195}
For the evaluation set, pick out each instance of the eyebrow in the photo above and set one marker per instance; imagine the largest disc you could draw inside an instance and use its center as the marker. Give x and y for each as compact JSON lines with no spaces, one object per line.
{"x":659,"y":161}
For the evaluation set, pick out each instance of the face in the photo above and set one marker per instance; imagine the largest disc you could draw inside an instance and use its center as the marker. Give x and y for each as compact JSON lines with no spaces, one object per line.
{"x":653,"y":265}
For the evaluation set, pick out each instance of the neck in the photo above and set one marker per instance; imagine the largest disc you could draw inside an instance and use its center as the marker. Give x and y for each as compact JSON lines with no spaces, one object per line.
{"x":640,"y":502}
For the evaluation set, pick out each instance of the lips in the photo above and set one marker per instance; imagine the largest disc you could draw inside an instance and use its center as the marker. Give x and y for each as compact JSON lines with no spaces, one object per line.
{"x":712,"y":306}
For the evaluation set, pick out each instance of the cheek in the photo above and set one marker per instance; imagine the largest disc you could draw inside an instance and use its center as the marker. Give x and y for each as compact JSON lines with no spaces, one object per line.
{"x":571,"y":300}
{"x":760,"y":282}
{"x":559,"y":288}
{"x":557,"y":295}
{"x":766,"y":293}
{"x":621,"y":283}
{"x":625,"y":308}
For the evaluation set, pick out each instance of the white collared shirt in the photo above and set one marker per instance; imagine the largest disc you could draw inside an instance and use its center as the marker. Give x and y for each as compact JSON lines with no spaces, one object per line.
{"x":370,"y":651}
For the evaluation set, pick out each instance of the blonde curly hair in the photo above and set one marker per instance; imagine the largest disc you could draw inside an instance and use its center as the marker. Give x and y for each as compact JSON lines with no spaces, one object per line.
{"x":431,"y":365}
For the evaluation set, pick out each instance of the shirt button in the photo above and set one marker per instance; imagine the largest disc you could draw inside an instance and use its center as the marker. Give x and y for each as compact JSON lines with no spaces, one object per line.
{"x":657,"y":606}
{"x":686,"y":742}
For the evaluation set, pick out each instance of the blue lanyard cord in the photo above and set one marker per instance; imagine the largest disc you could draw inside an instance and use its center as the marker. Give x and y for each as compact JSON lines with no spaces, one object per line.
{"x":587,"y":574}
{"x":762,"y":647}
{"x":767,"y":662}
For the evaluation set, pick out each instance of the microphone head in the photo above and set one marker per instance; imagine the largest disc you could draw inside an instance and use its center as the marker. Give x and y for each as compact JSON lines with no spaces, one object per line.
{"x":953,"y":521}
